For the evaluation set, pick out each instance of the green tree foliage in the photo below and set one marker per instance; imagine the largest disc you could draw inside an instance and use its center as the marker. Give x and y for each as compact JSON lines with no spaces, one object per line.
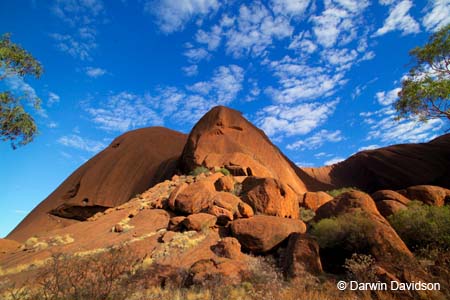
{"x":426,"y":90}
{"x":16,"y":125}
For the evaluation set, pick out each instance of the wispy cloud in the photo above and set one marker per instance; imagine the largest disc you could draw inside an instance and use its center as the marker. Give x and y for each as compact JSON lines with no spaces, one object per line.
{"x":317,"y":140}
{"x":78,"y":142}
{"x":283,"y":120}
{"x":52,"y":99}
{"x":383,"y":127}
{"x":387,"y":98}
{"x":437,"y":15}
{"x":399,"y":19}
{"x":334,"y":160}
{"x":81,"y":16}
{"x":172,"y":16}
{"x":255,"y":29}
{"x":76,"y":47}
{"x":124,"y":111}
{"x":95,"y":72}
{"x":298,"y":81}
{"x":191,"y":70}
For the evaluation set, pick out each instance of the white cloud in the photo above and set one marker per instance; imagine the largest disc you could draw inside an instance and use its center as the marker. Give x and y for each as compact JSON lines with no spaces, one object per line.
{"x":290,"y":7}
{"x":52,"y":99}
{"x":321,"y":154}
{"x":78,"y":142}
{"x":76,"y":47}
{"x":298,"y":81}
{"x":399,"y":19}
{"x":124,"y":111}
{"x":317,"y":140}
{"x":186,"y":106}
{"x":212,"y":39}
{"x":437,"y":16}
{"x":334,"y":160}
{"x":81,"y":16}
{"x":369,"y":147}
{"x":191,"y":70}
{"x":338,"y":22}
{"x":52,"y":125}
{"x":255,"y":30}
{"x":95,"y":72}
{"x":223,"y":86}
{"x":387,"y":98}
{"x":19,"y":87}
{"x":283,"y":120}
{"x":384,"y":127}
{"x":196,"y":54}
{"x":303,"y":43}
{"x":172,"y":15}
{"x":78,"y":12}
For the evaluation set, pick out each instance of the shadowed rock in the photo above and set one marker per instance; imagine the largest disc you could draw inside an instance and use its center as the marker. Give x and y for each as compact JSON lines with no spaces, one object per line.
{"x":132,"y":163}
{"x":394,"y":167}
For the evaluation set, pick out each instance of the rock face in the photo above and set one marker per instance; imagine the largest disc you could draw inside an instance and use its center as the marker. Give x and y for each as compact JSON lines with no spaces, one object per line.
{"x":199,"y":222}
{"x":263,"y":233}
{"x":270,"y":197}
{"x":389,"y":195}
{"x":394,"y":167}
{"x":132,"y":163}
{"x":313,"y":201}
{"x":389,"y":202}
{"x":384,"y":243}
{"x":223,"y":138}
{"x":428,"y":194}
{"x":302,"y":255}
{"x":192,"y":198}
{"x":389,"y":207}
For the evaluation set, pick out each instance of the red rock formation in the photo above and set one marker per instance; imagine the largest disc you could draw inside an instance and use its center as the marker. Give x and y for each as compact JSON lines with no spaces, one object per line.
{"x":223,"y":137}
{"x":302,"y":255}
{"x":263,"y":233}
{"x":270,"y":197}
{"x":132,"y":163}
{"x":394,"y":167}
{"x":428,"y":194}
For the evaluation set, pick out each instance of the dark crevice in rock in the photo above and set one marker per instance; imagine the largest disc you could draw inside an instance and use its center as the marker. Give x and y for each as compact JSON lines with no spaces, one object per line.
{"x":76,"y":212}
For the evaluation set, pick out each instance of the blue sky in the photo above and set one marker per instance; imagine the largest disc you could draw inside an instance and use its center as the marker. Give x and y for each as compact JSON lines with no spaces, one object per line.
{"x":319,"y":77}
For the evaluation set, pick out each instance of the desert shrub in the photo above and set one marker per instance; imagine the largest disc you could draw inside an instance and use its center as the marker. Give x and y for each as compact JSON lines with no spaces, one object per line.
{"x":421,"y":226}
{"x":360,"y":267}
{"x":337,"y":192}
{"x":306,"y":214}
{"x":93,"y":277}
{"x":340,"y":237}
{"x":237,"y":189}
{"x":199,"y":170}
{"x":348,"y":231}
{"x":224,"y":171}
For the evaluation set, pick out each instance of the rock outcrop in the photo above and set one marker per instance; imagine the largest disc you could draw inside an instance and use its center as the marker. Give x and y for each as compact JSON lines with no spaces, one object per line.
{"x":302,"y":255}
{"x":223,"y":138}
{"x":393,"y":167}
{"x":383,"y":242}
{"x":270,"y":197}
{"x":132,"y":163}
{"x":428,"y":194}
{"x":263,"y":233}
{"x":389,"y":202}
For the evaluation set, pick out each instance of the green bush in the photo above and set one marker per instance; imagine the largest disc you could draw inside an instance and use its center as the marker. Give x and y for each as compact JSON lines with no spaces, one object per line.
{"x":421,"y":226}
{"x":224,"y":171}
{"x":199,"y":170}
{"x":337,"y":192}
{"x":306,"y":214}
{"x":349,"y":232}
